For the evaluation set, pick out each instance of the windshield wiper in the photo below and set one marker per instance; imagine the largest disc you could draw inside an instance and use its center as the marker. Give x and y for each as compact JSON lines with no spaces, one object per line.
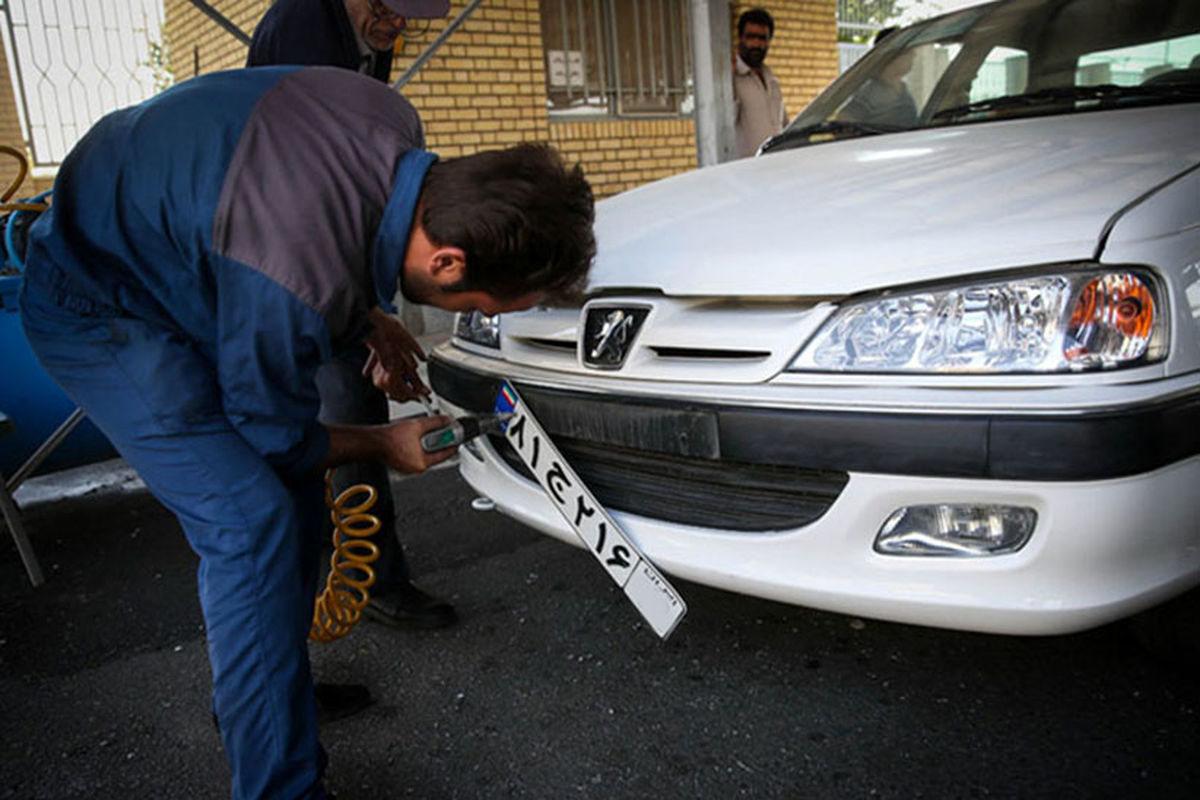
{"x":1105,"y":93}
{"x":836,"y":128}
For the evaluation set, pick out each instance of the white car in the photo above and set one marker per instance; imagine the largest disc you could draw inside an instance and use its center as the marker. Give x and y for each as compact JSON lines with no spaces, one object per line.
{"x":932,"y":356}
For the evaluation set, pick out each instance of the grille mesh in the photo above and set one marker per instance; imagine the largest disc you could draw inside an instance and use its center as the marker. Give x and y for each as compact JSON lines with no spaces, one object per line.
{"x":694,"y":491}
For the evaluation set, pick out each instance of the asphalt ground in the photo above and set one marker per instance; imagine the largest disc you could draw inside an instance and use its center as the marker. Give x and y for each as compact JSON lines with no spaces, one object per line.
{"x":551,"y":687}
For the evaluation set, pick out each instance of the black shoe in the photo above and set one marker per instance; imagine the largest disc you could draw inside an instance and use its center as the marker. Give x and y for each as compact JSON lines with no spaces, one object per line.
{"x":411,"y":608}
{"x":340,"y":700}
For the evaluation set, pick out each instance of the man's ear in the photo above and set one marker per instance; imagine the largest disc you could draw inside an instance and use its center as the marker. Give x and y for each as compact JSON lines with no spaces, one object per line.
{"x":448,"y":266}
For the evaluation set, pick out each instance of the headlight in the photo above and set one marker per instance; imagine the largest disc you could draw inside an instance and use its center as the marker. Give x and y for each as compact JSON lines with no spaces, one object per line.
{"x":478,"y":328}
{"x":1067,"y":321}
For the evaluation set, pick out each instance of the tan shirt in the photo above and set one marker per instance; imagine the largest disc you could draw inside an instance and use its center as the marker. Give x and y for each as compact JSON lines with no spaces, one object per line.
{"x":759,"y":108}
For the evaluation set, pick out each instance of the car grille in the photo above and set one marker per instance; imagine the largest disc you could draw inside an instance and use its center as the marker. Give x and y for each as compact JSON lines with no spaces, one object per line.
{"x":657,"y":460}
{"x":694,"y":491}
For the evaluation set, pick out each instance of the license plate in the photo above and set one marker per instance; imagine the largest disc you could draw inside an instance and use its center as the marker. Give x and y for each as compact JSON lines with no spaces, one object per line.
{"x":682,"y":432}
{"x":653,"y":596}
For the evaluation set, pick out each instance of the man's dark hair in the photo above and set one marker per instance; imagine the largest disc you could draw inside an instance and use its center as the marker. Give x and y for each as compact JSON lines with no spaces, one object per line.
{"x":758,"y":16}
{"x":521,"y":216}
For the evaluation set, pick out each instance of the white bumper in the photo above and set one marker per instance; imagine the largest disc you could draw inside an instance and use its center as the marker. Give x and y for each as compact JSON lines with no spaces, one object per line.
{"x":1101,"y":550}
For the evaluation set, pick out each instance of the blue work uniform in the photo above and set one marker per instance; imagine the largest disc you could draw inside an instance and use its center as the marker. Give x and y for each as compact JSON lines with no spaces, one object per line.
{"x":205,"y":252}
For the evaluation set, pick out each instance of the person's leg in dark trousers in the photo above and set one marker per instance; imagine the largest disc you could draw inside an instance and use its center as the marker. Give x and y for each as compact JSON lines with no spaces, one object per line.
{"x":154,"y":396}
{"x":349,"y":398}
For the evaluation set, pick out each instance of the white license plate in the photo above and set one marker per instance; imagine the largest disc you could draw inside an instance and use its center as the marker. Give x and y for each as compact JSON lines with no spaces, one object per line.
{"x":644,"y":585}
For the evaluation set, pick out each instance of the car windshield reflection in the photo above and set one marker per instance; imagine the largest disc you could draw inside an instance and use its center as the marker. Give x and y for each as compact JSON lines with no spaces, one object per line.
{"x":1010,"y":60}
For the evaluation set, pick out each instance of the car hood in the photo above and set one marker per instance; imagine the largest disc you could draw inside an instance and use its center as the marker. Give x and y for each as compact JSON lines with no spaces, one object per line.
{"x":842,"y":217}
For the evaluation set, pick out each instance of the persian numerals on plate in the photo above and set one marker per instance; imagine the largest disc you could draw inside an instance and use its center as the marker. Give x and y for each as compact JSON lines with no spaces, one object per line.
{"x":644,"y":585}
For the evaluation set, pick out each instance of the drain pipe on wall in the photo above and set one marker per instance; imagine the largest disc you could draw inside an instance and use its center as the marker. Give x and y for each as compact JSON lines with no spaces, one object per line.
{"x":712,"y":69}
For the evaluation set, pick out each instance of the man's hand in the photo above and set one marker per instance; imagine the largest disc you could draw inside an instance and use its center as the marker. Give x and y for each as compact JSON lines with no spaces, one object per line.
{"x":392,"y":364}
{"x":402,"y":444}
{"x":397,"y":444}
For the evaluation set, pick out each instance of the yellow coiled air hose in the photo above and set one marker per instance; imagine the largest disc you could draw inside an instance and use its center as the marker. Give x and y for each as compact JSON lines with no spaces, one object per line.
{"x":340,"y":605}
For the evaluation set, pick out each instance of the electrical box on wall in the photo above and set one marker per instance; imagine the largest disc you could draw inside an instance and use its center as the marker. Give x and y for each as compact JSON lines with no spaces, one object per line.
{"x":565,"y":68}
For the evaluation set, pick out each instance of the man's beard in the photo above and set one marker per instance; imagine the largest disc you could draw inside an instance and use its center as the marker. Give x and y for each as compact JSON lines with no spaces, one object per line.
{"x":754,"y":56}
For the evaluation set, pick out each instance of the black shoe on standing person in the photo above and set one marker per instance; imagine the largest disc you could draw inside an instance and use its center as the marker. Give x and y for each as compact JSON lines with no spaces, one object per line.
{"x":409,"y":607}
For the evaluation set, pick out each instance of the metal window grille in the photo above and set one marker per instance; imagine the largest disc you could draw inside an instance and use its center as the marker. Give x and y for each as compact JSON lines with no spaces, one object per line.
{"x":72,"y":61}
{"x":617,"y":57}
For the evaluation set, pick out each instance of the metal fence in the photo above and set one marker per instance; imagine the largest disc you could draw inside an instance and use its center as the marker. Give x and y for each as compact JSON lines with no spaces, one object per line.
{"x":849,"y":53}
{"x":72,"y":61}
{"x":857,"y":20}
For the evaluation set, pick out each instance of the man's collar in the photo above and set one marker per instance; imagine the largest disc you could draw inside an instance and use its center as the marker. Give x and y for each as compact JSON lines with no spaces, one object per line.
{"x":742,"y":68}
{"x":391,"y":239}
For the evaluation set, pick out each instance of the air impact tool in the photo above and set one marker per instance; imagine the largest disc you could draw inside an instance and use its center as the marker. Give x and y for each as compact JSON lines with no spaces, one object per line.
{"x":463,"y":429}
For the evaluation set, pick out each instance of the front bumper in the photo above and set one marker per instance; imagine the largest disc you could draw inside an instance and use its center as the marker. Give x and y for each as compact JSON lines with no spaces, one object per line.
{"x":1113,"y":491}
{"x":1024,"y":447}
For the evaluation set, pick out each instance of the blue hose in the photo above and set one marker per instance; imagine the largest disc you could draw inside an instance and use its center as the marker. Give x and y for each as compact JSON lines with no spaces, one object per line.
{"x":10,"y":246}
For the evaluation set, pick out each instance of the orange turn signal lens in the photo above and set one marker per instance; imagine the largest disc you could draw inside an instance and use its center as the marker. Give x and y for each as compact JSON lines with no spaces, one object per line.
{"x":1112,"y":321}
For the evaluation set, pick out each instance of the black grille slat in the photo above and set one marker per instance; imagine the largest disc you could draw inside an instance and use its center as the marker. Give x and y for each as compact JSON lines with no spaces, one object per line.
{"x":711,"y":354}
{"x":692,"y":491}
{"x":705,"y":503}
{"x":547,"y":344}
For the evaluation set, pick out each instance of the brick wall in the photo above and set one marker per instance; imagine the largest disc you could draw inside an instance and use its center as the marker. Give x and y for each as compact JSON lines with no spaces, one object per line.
{"x":10,"y":134}
{"x":483,"y":89}
{"x":621,"y":154}
{"x":198,"y":45}
{"x":486,"y":86}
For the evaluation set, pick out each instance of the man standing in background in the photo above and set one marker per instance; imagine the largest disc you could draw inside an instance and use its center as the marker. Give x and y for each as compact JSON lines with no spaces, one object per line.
{"x":360,"y":35}
{"x":757,"y":96}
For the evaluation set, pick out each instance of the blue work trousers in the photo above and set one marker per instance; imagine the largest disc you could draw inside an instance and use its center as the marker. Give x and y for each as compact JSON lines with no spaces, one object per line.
{"x":257,"y":535}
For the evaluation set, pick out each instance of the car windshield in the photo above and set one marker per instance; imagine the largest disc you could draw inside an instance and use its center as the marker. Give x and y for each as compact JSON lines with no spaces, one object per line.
{"x":1013,"y":59}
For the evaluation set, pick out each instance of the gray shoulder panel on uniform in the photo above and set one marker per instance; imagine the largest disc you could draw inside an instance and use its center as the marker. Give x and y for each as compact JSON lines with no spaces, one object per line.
{"x":308,"y":183}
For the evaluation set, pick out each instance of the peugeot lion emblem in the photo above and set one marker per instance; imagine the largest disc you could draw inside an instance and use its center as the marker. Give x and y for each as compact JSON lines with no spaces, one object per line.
{"x":608,"y":335}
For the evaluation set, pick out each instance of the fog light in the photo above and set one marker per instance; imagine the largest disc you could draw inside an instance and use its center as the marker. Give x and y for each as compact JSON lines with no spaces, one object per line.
{"x":955,"y":530}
